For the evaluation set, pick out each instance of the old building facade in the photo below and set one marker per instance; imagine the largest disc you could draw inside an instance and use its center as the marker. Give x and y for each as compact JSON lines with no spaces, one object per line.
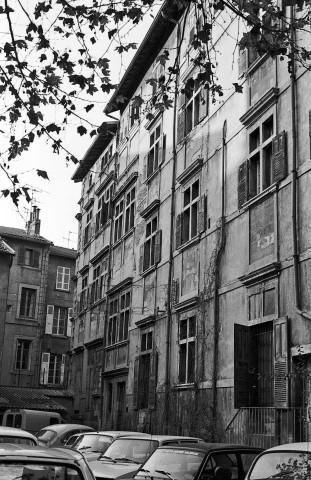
{"x":192,"y":294}
{"x":36,"y":309}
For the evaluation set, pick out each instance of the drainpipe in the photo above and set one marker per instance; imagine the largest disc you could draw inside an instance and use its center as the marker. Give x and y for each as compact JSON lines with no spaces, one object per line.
{"x":171,"y":252}
{"x":295,"y":227}
{"x":216,"y":281}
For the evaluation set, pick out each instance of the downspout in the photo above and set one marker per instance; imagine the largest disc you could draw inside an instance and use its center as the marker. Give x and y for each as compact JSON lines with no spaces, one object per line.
{"x":106,"y":312}
{"x":216,"y":280}
{"x":295,"y":227}
{"x":171,"y":252}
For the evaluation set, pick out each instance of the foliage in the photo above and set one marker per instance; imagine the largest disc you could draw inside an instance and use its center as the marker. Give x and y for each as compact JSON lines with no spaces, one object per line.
{"x":50,"y":60}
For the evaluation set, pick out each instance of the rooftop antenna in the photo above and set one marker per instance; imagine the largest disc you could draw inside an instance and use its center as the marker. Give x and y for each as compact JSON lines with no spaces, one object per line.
{"x":68,"y":238}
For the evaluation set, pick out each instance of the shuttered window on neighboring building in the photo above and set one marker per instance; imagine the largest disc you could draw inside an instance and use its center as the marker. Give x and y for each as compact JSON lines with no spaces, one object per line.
{"x":192,"y":107}
{"x":52,"y":368}
{"x":28,"y":257}
{"x":267,"y":162}
{"x":63,"y":278}
{"x":261,"y":365}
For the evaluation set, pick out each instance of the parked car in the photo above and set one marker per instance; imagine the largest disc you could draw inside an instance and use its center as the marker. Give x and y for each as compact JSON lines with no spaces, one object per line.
{"x":57,"y":435}
{"x":92,"y":444}
{"x":30,"y":420}
{"x":37,"y":463}
{"x":204,"y":461}
{"x":125,"y":455}
{"x":17,"y":436}
{"x":290,"y":462}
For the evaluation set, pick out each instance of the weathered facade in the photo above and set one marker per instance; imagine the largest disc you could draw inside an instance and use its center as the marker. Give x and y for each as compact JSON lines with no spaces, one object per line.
{"x":194,"y":252}
{"x":36,"y":309}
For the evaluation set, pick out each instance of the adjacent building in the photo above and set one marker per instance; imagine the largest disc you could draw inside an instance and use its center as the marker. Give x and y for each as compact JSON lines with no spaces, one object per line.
{"x":37,"y":299}
{"x":192,"y":305}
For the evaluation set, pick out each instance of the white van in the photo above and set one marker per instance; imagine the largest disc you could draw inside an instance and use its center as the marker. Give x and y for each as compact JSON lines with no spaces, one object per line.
{"x":30,"y":420}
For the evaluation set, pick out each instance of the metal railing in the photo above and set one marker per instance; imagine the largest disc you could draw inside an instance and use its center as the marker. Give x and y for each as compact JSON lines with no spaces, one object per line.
{"x":268,"y":426}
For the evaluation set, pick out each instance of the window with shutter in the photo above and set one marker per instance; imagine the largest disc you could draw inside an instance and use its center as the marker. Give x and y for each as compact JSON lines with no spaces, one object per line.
{"x":63,"y":278}
{"x":281,"y":364}
{"x":49,"y":319}
{"x":45,"y":361}
{"x":241,"y":366}
{"x":135,"y":383}
{"x":279,"y":160}
{"x":156,"y":152}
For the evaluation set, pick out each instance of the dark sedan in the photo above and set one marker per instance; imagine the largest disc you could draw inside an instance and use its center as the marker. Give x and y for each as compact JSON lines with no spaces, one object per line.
{"x":204,"y":461}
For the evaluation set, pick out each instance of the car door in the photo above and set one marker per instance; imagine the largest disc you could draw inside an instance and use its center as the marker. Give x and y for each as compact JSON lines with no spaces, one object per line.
{"x":237,"y":462}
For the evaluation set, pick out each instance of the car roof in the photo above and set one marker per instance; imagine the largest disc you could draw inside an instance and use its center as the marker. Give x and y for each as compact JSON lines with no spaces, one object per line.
{"x":300,"y":446}
{"x":111,"y":433}
{"x":208,"y":447}
{"x":63,"y":427}
{"x":159,"y":438}
{"x":41,"y":453}
{"x":15,"y":432}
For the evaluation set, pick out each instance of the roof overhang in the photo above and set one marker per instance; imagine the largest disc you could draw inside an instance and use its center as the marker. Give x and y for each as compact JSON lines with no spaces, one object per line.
{"x":106,"y":133}
{"x":160,"y":30}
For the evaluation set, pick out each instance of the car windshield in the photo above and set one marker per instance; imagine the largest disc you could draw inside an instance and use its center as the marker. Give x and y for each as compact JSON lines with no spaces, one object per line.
{"x":286,"y":465}
{"x":179,"y":464}
{"x":93,"y":442}
{"x":45,"y":435}
{"x":131,"y":450}
{"x":37,"y":471}
{"x":17,"y":440}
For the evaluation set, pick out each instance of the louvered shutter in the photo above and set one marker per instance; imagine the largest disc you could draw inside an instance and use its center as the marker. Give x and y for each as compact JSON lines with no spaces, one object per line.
{"x":44,"y":374}
{"x":279,"y":160}
{"x":175,"y":292}
{"x":157,"y":247}
{"x":241,"y":366}
{"x":162,"y":158}
{"x":202,"y":214}
{"x":62,"y":369}
{"x":104,"y":213}
{"x":145,"y":167}
{"x":49,"y":319}
{"x":21,"y":256}
{"x":181,"y":125}
{"x":203,"y":107}
{"x":281,"y":377}
{"x":242,"y":61}
{"x":153,"y":380}
{"x":242,"y":184}
{"x":35,"y":258}
{"x":309,"y":133}
{"x":135,"y":383}
{"x":178,"y":231}
{"x":141,"y":258}
{"x":69,"y":324}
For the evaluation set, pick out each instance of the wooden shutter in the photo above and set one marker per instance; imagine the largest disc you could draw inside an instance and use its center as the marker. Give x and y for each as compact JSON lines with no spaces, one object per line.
{"x":202,"y":215}
{"x":62,"y":369}
{"x":241,"y":366}
{"x":281,"y":377}
{"x":35,"y":258}
{"x":243,"y":184}
{"x":104,"y":213}
{"x":141,"y":257}
{"x":145,"y":167}
{"x":279,"y":160}
{"x":49,"y":319}
{"x":162,"y":159}
{"x":181,"y":125}
{"x":203,"y":107}
{"x":21,"y":256}
{"x":44,"y":374}
{"x":242,"y":62}
{"x":153,"y":380}
{"x":135,"y":383}
{"x":175,"y":291}
{"x":309,"y":133}
{"x":178,"y":231}
{"x":59,"y":277}
{"x":157,"y":246}
{"x":69,"y":324}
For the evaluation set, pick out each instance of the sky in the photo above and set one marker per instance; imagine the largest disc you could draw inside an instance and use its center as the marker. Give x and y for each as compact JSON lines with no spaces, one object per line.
{"x":57,"y":197}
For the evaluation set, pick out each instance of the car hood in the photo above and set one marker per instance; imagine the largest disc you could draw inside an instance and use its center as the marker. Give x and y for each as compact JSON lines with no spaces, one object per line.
{"x":102,"y":469}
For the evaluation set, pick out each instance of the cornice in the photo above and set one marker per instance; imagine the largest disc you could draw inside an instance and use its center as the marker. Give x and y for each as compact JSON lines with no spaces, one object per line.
{"x":261,"y":274}
{"x":266,"y":101}
{"x":150,"y":209}
{"x":100,"y":254}
{"x":193,"y":168}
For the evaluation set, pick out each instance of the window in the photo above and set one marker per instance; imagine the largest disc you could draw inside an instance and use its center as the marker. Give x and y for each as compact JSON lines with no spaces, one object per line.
{"x":156,"y":153}
{"x":134,"y":114}
{"x":187,"y":356}
{"x":150,"y":253}
{"x":29,"y":257}
{"x":158,"y":78}
{"x":106,"y":158}
{"x":119,"y":317}
{"x":59,"y":320}
{"x":262,"y":303}
{"x":95,"y":290}
{"x":124,"y":214}
{"x":52,"y":368}
{"x":23,"y":349}
{"x":267,"y":162}
{"x":261,"y":364}
{"x":84,"y":293}
{"x":103,"y":208}
{"x":63,"y":278}
{"x":193,"y":107}
{"x":28,"y":302}
{"x":88,"y":228}
{"x":145,"y":370}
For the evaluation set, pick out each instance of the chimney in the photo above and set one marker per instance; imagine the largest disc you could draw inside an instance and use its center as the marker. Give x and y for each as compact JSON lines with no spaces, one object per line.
{"x":33,"y":225}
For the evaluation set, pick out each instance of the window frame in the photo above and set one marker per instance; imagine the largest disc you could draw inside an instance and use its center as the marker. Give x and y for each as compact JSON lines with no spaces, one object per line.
{"x":62,"y":273}
{"x":22,"y":341}
{"x":59,"y":326}
{"x":188,"y":341}
{"x":124,"y":213}
{"x":87,"y":233}
{"x":57,"y":368}
{"x":33,"y":307}
{"x":119,"y":317}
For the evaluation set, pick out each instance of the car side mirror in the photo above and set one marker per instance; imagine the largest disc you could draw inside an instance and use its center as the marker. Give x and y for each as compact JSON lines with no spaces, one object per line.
{"x":222,"y":473}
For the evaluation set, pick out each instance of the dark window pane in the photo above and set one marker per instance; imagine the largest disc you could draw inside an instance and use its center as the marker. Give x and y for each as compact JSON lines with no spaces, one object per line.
{"x":183,"y":330}
{"x":269,"y":302}
{"x":182,"y":363}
